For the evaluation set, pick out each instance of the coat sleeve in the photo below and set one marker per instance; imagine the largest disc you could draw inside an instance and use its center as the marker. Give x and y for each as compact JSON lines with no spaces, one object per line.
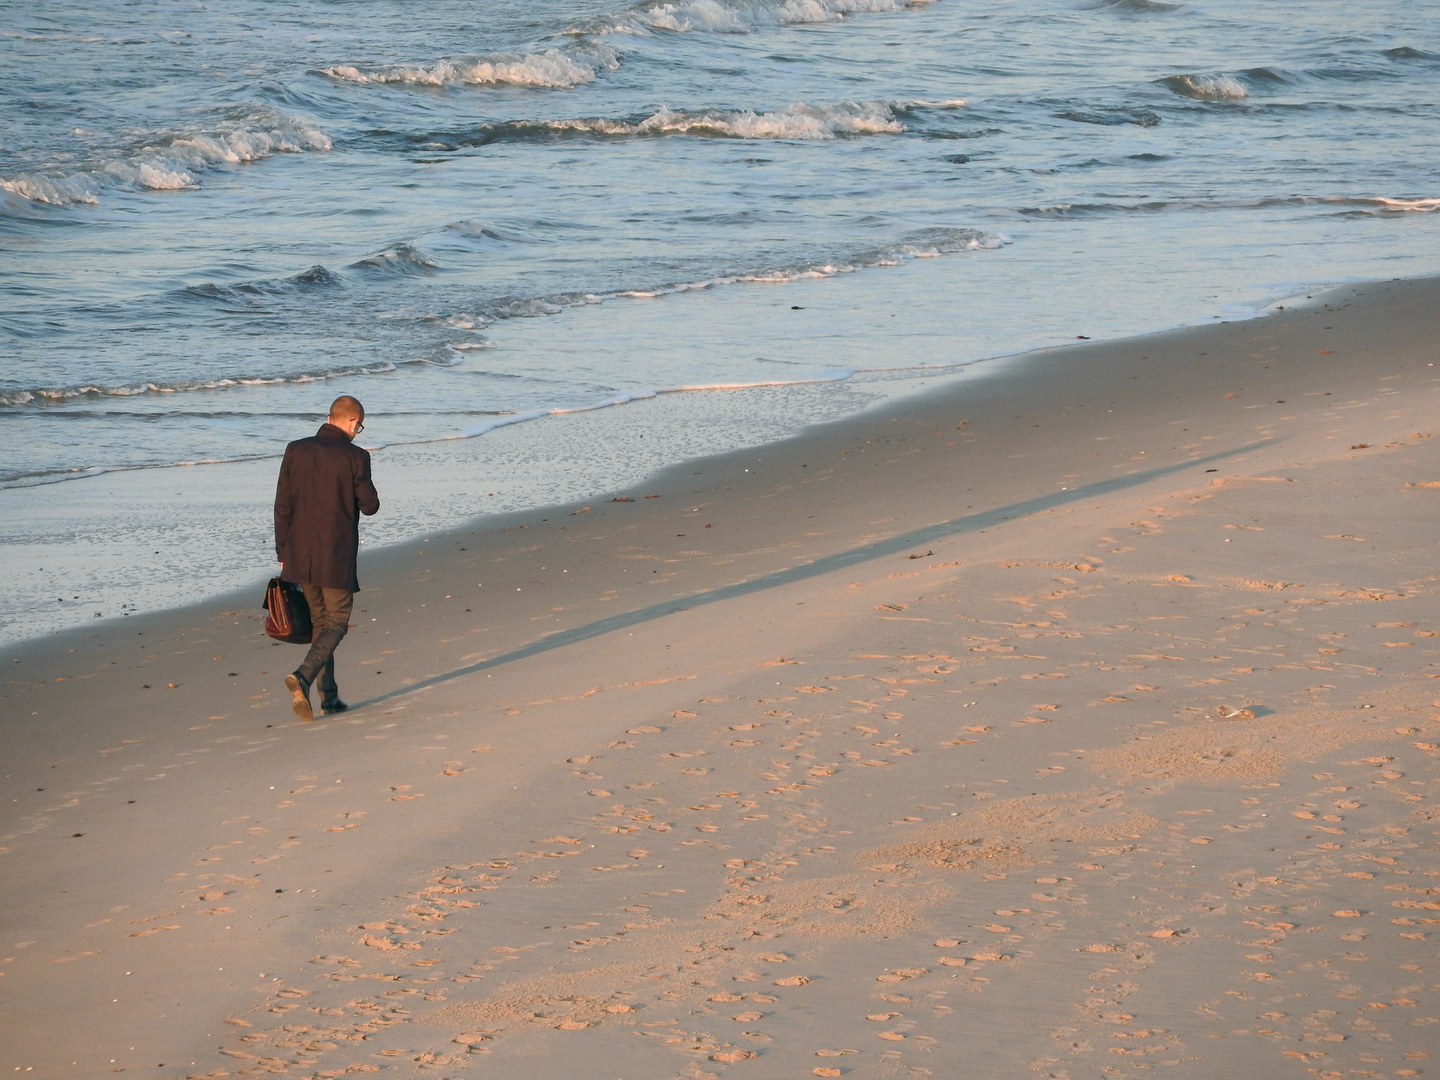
{"x":284,"y":508}
{"x":367,"y":499}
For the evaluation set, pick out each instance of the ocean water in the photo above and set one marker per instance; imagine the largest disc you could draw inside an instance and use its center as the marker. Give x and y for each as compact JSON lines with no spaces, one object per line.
{"x":558,"y":244}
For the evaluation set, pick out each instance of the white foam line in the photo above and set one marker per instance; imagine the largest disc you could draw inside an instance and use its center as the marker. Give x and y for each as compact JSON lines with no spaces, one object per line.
{"x":551,"y":69}
{"x":484,"y":427}
{"x":626,"y":397}
{"x":957,"y":365}
{"x":825,"y":375}
{"x":50,"y":395}
{"x":172,"y":160}
{"x":798,"y":121}
{"x":1406,"y":204}
{"x":715,"y":17}
{"x":103,"y":470}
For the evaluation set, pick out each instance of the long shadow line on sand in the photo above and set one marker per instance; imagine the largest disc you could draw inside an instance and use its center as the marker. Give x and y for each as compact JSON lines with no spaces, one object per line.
{"x":828,"y":564}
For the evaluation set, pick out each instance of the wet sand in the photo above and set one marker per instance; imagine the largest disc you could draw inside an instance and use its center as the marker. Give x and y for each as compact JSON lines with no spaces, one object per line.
{"x":1073,"y":720}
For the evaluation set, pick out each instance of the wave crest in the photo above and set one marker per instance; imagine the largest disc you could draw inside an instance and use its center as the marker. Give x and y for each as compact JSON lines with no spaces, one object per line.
{"x":172,"y":160}
{"x":798,"y":121}
{"x":250,"y":293}
{"x":720,"y":17}
{"x":551,"y":69}
{"x":1140,"y":7}
{"x":1412,"y":205}
{"x":946,"y":240}
{"x":1110,"y":116}
{"x":403,"y":258}
{"x":1207,"y":87}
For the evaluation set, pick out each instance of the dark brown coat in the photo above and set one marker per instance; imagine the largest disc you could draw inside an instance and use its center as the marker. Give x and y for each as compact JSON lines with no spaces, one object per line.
{"x":323,"y":489}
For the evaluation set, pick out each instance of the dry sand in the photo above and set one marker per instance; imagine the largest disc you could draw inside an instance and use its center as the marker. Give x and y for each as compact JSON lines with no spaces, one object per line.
{"x":1073,"y":721}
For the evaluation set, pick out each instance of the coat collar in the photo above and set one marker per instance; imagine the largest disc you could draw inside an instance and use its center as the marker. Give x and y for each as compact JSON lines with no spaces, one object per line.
{"x":330,"y":431}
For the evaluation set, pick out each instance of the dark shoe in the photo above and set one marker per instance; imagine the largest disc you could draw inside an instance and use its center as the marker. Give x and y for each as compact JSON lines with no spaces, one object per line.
{"x":332,"y":705}
{"x":300,"y":692}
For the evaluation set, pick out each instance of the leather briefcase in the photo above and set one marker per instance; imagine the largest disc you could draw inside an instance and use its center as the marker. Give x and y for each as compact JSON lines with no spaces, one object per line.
{"x":289,"y":614}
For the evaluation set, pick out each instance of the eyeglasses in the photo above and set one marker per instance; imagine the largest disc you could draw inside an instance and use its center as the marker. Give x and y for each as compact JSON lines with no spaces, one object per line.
{"x":359,"y":426}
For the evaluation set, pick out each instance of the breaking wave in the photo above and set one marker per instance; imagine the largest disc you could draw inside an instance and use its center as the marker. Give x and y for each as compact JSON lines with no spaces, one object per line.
{"x":1404,"y":205}
{"x":567,"y":67}
{"x":717,"y":17}
{"x":1207,"y":87}
{"x":172,"y":160}
{"x":1238,"y":85}
{"x":551,"y":69}
{"x":399,"y":259}
{"x":799,"y":121}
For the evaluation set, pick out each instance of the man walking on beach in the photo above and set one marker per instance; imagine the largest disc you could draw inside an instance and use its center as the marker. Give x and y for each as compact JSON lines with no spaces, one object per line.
{"x":323,"y":489}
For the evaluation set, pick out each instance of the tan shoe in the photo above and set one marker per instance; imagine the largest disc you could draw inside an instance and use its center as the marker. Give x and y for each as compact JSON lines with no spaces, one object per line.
{"x":300,"y":692}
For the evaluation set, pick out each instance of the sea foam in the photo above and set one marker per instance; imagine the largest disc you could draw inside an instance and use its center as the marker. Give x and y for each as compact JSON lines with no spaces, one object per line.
{"x":717,"y":17}
{"x":799,"y":121}
{"x":1420,"y":205}
{"x":170,"y":160}
{"x":1207,"y":87}
{"x":551,"y":69}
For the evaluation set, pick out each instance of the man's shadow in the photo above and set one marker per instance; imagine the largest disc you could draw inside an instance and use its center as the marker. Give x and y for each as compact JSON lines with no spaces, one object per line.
{"x":830,"y":563}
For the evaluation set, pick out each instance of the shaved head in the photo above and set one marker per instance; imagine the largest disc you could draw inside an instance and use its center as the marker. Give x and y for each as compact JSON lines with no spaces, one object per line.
{"x":346,"y":407}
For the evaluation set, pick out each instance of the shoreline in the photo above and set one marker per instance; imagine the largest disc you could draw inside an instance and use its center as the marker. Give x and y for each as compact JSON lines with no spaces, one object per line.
{"x":222,"y":510}
{"x":917,"y":715}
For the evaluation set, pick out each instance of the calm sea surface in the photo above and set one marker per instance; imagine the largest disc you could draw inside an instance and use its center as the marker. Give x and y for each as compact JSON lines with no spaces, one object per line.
{"x":485,"y":217}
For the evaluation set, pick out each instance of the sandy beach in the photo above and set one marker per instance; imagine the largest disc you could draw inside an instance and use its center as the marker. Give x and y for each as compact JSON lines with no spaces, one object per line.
{"x":1073,"y":720}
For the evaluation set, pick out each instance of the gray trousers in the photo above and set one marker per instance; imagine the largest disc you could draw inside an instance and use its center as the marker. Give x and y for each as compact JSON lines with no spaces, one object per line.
{"x":330,"y":615}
